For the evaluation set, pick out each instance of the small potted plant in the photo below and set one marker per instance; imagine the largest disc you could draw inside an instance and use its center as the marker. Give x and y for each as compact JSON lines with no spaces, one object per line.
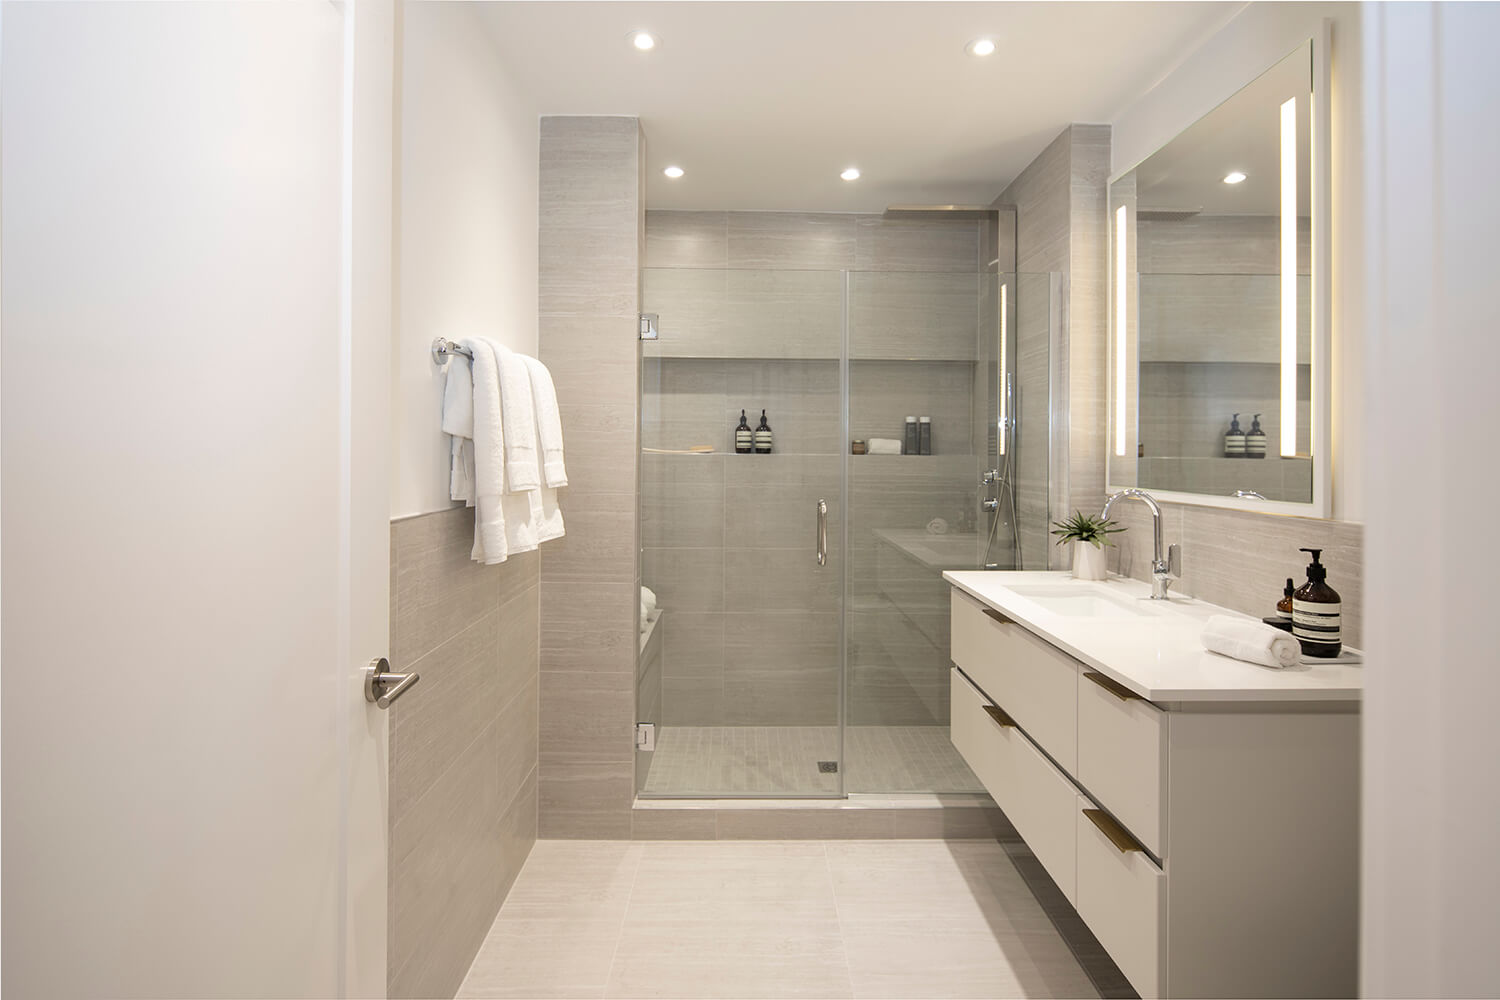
{"x":1089,"y":535}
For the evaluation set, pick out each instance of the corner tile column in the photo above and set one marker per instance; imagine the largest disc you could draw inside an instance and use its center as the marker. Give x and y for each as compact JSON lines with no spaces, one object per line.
{"x":592,"y":232}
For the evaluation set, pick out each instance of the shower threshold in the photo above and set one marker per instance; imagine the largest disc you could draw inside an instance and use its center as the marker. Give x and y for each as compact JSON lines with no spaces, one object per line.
{"x":771,"y":762}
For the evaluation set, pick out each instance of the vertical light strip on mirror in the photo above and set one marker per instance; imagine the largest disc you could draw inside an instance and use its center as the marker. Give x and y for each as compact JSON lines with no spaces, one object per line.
{"x":1289,"y":278}
{"x":1004,"y":367}
{"x":1120,"y":324}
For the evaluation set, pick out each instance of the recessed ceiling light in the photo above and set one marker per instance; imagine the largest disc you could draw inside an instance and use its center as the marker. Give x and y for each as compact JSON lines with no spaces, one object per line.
{"x":852,"y":174}
{"x":673,"y":172}
{"x":980,"y":47}
{"x":642,"y":40}
{"x":1233,"y":177}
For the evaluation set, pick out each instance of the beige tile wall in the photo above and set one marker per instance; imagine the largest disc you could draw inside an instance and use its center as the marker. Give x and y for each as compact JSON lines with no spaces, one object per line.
{"x":591,"y":242}
{"x":463,"y":750}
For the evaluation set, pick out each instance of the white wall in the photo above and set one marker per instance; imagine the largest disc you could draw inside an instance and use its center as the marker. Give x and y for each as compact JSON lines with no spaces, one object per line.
{"x":466,"y":227}
{"x":1248,"y":45}
{"x":1431,"y":880}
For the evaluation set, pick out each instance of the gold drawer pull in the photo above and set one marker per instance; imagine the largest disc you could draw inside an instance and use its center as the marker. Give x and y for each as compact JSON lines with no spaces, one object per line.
{"x":997,"y":616}
{"x":1001,"y":719}
{"x":1114,"y":687}
{"x":1123,"y":841}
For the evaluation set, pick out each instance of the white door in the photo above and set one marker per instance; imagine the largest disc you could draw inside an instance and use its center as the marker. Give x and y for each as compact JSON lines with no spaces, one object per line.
{"x":195,"y":311}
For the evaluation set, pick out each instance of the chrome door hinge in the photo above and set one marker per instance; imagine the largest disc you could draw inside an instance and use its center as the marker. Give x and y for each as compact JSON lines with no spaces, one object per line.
{"x":645,"y":736}
{"x":648,"y":326}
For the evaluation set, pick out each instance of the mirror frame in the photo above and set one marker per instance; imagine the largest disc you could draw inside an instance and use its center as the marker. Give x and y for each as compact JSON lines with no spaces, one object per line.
{"x":1320,"y":505}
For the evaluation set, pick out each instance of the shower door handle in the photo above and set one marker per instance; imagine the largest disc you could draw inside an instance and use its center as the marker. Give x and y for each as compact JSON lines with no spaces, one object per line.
{"x":822,"y":532}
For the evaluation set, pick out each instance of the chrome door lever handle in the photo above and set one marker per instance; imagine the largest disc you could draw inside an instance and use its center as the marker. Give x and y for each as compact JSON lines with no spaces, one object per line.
{"x":382,"y":686}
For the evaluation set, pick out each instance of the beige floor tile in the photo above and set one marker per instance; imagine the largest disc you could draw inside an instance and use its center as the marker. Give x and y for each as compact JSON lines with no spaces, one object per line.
{"x":772,"y":955}
{"x":752,"y":919}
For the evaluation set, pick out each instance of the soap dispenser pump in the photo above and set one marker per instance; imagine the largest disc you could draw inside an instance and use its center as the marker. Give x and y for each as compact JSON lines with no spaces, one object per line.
{"x":1316,"y":612}
{"x":744,"y":437}
{"x":1234,"y":440}
{"x":763,"y":436}
{"x":1255,"y":440}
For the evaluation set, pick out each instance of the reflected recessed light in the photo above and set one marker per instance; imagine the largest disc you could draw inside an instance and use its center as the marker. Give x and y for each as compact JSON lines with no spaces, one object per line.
{"x":642,"y":40}
{"x":852,"y":174}
{"x":673,"y":172}
{"x":980,"y":47}
{"x":1233,"y":177}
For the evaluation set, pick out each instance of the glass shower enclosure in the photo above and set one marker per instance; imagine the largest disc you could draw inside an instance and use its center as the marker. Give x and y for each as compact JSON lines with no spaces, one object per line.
{"x":798,"y":645}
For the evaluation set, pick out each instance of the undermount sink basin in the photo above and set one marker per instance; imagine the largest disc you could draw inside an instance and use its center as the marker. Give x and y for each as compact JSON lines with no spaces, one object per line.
{"x":1081,"y":602}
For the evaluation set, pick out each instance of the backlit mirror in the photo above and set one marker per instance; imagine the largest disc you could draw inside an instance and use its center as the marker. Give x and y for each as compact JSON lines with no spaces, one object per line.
{"x":1218,"y":329}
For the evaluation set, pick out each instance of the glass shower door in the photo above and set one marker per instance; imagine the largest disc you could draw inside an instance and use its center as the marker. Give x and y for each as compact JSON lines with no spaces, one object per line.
{"x":945,"y":348}
{"x":741,"y":672}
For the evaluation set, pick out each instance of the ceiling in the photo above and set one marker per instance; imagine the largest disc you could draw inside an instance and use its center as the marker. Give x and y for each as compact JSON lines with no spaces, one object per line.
{"x":763,"y":104}
{"x":1244,"y":134}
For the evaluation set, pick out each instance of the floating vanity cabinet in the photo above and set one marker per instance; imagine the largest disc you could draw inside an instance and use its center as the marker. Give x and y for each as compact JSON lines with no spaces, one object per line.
{"x":1200,"y":814}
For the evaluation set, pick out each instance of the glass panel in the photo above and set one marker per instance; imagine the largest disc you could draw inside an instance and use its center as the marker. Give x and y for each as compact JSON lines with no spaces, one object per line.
{"x":746,"y":690}
{"x":928,"y":346}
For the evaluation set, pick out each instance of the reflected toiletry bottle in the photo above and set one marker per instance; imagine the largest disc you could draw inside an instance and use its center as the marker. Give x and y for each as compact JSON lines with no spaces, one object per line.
{"x":1316,"y":607}
{"x":744,"y":437}
{"x":1255,"y":440}
{"x":924,"y":435}
{"x":858,"y":447}
{"x":911,"y":443}
{"x":1234,"y":441}
{"x":1284,"y":606}
{"x":763,"y":436}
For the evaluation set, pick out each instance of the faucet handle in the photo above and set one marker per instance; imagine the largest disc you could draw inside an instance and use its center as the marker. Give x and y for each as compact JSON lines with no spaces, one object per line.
{"x":1174,"y":561}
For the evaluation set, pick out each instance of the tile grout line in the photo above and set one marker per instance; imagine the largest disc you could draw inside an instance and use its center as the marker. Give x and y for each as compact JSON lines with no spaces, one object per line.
{"x":635,"y":879}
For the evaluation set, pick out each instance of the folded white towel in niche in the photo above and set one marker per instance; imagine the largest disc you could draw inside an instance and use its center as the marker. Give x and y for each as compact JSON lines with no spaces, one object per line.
{"x":548,"y":423}
{"x":648,"y":598}
{"x":1251,"y":641}
{"x":883,"y":446}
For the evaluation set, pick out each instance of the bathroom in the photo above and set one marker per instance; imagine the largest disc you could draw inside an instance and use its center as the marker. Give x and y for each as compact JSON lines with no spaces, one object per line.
{"x":774,"y":771}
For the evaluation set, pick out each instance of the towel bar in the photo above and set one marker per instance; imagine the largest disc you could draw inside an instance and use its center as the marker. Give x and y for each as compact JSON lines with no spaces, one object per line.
{"x":442,"y":348}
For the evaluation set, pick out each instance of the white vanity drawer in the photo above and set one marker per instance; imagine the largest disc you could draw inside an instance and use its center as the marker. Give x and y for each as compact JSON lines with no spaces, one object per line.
{"x":1037,"y":798}
{"x":1035,"y":682}
{"x":1122,"y":756}
{"x":1120,"y":895}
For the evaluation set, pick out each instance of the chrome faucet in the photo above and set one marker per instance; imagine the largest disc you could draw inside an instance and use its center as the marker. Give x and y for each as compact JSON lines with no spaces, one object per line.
{"x":1166,"y":567}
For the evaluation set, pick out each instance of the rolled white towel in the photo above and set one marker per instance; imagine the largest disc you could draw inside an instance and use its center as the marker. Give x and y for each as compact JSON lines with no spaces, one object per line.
{"x":883,"y":446}
{"x":1251,"y":641}
{"x":648,"y":599}
{"x":645,"y":614}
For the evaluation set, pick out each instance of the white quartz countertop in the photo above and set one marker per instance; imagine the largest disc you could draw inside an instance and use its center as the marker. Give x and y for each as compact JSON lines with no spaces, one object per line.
{"x":1157,"y":654}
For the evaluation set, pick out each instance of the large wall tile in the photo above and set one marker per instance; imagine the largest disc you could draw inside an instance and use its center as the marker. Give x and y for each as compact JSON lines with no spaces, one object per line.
{"x":585,"y":801}
{"x":589,"y":626}
{"x":882,"y":244}
{"x":791,"y":241}
{"x":587,"y":716}
{"x":687,"y":239}
{"x":919,"y":316}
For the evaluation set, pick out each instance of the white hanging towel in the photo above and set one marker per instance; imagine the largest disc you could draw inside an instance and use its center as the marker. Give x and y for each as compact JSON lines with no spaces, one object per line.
{"x":531,"y":516}
{"x":458,"y":420}
{"x":522,"y":472}
{"x":548,"y":424}
{"x":490,"y":544}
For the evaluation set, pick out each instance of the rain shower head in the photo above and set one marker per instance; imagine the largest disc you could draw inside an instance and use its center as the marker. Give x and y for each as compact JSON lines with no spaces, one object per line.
{"x":943,"y":211}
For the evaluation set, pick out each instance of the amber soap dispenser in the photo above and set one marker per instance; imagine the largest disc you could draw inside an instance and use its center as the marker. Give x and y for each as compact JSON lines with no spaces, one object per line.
{"x":1316,"y":612}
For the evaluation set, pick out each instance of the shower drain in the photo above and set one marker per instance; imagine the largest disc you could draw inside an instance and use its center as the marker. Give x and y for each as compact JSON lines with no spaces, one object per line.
{"x":828,"y":767}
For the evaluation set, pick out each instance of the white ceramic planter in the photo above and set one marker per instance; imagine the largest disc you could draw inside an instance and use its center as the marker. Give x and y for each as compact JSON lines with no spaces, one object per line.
{"x":1089,"y":562}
